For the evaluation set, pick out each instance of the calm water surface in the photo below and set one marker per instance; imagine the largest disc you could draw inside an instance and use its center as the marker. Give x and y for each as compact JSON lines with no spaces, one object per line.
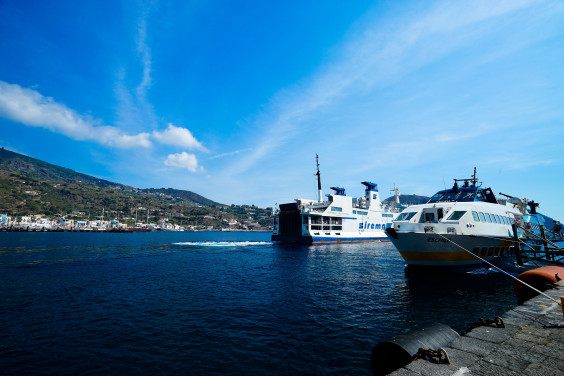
{"x":201,"y":303}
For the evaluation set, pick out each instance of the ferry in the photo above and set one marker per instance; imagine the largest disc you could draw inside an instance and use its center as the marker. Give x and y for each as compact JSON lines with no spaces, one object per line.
{"x":461,"y":226}
{"x":340,"y":218}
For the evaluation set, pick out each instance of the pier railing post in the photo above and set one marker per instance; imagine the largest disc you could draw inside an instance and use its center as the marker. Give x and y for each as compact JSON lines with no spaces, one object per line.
{"x":545,"y":244}
{"x":516,"y":245}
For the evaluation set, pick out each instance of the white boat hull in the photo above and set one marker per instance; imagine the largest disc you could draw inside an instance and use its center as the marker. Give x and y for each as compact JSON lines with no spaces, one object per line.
{"x":428,"y":249}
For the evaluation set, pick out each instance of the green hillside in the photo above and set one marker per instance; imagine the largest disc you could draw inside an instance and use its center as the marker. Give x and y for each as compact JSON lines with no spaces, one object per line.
{"x":29,"y":186}
{"x":408,"y":199}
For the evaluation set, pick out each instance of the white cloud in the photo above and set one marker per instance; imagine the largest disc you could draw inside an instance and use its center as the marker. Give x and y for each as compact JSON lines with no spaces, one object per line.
{"x":183,"y":160}
{"x":29,"y":107}
{"x":178,"y":136}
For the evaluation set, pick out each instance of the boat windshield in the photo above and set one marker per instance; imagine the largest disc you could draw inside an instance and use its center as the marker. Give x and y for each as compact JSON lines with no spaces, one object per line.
{"x":455,"y":196}
{"x":405,"y":216}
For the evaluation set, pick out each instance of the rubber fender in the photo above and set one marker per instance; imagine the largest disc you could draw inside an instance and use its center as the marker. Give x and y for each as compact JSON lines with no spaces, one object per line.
{"x":398,"y":351}
{"x":540,"y":278}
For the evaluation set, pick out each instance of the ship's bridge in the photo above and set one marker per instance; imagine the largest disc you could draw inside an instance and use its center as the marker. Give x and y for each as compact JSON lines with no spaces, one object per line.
{"x":464,"y":194}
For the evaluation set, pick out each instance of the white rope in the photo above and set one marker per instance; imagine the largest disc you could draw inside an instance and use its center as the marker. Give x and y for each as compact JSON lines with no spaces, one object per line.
{"x":503,"y":271}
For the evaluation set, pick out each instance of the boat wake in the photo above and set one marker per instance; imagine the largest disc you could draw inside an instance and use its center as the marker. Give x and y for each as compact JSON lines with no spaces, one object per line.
{"x":223,"y":244}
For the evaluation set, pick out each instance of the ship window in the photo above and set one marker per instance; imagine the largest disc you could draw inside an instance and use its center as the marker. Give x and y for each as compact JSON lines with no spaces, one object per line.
{"x":482,"y":217}
{"x":401,"y":217}
{"x":497,"y":219}
{"x":405,"y":216}
{"x":476,"y":217}
{"x":488,"y":218}
{"x":466,"y":196}
{"x":336,"y":208}
{"x":455,"y":216}
{"x":354,"y":211}
{"x":436,"y":197}
{"x":305,"y":219}
{"x":428,"y":217}
{"x":450,"y":196}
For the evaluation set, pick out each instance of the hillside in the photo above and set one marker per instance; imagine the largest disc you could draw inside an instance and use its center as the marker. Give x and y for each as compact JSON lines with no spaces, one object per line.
{"x":30,"y":186}
{"x":408,"y":199}
{"x":42,"y":171}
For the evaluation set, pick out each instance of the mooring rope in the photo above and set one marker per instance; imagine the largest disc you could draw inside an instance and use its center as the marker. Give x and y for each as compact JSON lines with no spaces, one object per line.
{"x":503,"y":271}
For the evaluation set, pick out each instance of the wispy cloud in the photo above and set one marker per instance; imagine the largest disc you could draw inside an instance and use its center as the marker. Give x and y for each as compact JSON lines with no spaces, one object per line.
{"x":31,"y":108}
{"x":133,"y":108}
{"x":222,"y":155}
{"x":375,"y":57}
{"x":145,"y":52}
{"x":183,"y":160}
{"x":178,"y":136}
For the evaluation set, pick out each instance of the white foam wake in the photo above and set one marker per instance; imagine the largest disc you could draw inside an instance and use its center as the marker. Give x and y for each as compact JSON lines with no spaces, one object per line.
{"x":223,"y":244}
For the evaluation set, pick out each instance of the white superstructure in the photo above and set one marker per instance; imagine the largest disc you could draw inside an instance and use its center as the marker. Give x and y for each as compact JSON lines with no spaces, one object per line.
{"x":340,"y":218}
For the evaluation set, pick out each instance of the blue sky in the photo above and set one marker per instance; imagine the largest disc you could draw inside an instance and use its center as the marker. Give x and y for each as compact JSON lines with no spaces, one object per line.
{"x":232,"y":100}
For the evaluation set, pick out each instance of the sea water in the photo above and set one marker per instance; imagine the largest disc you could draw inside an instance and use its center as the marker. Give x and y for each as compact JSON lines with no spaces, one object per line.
{"x":217,"y":303}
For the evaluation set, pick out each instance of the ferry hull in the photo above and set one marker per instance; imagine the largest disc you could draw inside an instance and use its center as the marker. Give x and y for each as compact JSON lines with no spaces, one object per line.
{"x":308,"y":239}
{"x":428,"y":249}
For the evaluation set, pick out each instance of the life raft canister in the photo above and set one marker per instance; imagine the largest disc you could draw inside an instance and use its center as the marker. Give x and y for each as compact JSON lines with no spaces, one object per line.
{"x":540,"y":278}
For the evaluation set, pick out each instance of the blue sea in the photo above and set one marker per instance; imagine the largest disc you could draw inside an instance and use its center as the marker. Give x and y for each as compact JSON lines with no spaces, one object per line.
{"x":213,"y":303}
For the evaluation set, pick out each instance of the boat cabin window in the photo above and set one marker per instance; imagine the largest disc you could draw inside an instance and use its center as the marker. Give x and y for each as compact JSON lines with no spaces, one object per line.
{"x":497,"y":218}
{"x":467,"y":196}
{"x":488,"y":218}
{"x":455,"y":216}
{"x":428,"y":217}
{"x":436,"y":197}
{"x":476,"y":217}
{"x":405,"y":216}
{"x":482,"y":217}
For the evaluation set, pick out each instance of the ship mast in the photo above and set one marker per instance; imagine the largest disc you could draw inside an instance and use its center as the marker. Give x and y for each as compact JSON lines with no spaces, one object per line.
{"x":318,"y":179}
{"x":397,"y":193}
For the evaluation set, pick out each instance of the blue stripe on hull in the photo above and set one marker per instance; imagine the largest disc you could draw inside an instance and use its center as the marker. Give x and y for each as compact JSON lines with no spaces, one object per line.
{"x":325,"y":239}
{"x":321,"y":239}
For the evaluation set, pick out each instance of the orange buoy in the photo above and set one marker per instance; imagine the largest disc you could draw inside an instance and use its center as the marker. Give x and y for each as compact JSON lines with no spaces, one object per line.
{"x":540,"y":278}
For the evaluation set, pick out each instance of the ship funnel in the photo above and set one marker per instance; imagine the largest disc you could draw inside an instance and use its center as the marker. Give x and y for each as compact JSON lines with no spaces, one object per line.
{"x":372,"y":195}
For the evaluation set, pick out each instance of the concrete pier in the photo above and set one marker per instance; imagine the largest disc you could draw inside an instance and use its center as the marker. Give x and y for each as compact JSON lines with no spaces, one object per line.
{"x":532,"y":343}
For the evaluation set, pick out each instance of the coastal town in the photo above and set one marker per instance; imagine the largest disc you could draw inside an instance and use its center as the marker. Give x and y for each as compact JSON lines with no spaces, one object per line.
{"x":80,"y":223}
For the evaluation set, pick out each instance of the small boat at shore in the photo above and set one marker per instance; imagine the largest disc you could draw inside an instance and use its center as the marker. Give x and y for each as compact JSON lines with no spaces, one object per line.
{"x":461,"y":226}
{"x":340,"y":218}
